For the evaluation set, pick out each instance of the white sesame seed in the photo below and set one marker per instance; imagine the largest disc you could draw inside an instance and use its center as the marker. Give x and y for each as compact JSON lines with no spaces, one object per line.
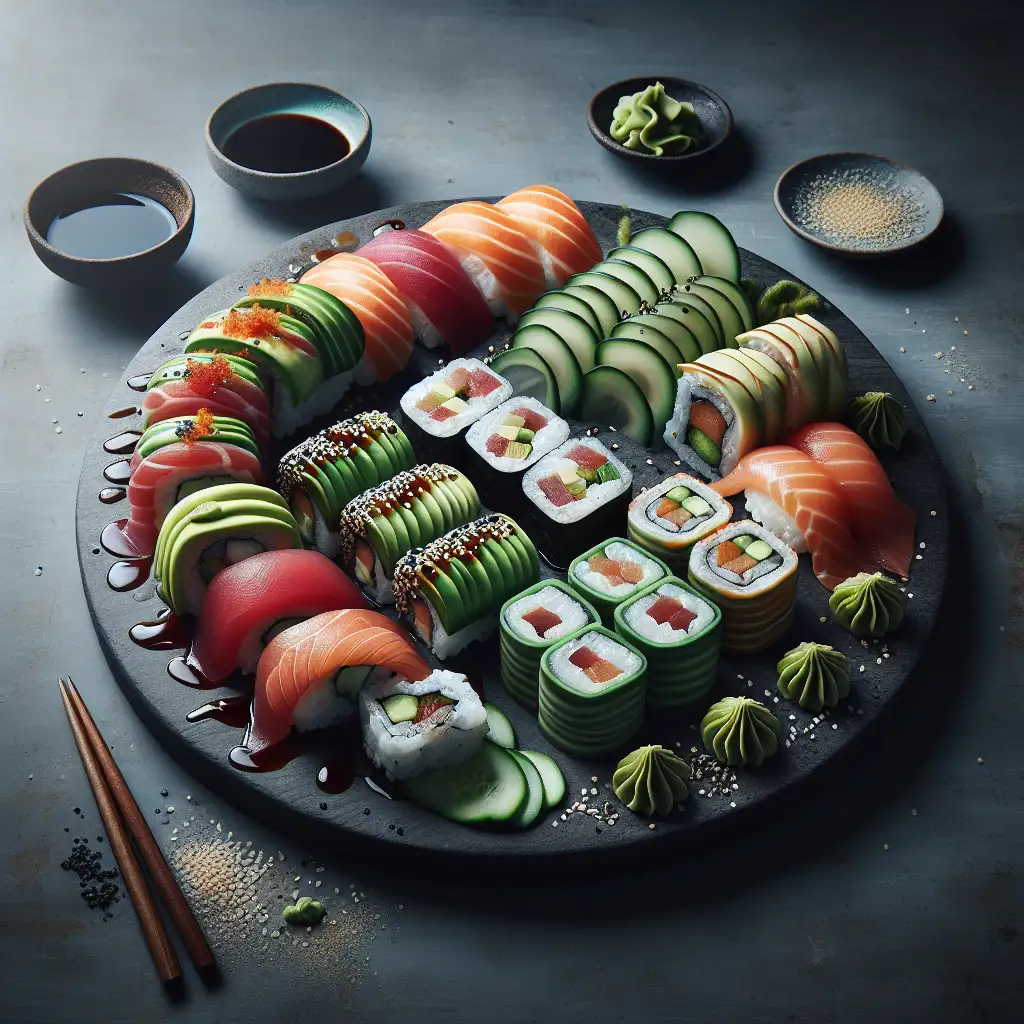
{"x":981,"y":760}
{"x":885,"y":846}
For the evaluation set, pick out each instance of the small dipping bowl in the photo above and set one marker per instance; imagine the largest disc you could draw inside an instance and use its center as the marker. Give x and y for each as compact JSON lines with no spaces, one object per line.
{"x":315,"y":101}
{"x":82,"y":184}
{"x":714,"y":113}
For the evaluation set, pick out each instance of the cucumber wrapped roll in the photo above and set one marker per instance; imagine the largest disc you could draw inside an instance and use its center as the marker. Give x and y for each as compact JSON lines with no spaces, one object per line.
{"x":320,"y":476}
{"x":611,"y":572}
{"x":405,"y":512}
{"x":529,"y":624}
{"x":452,"y":590}
{"x":679,"y":633}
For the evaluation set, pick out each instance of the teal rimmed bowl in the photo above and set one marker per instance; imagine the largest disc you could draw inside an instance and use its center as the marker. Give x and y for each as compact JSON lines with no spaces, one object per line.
{"x":347,"y":116}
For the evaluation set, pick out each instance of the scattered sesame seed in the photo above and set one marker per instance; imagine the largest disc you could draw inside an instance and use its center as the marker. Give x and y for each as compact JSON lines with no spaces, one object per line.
{"x":930,"y":398}
{"x":822,"y":618}
{"x":902,"y":349}
{"x":981,"y":760}
{"x":862,"y":668}
{"x":57,"y":430}
{"x":885,"y":846}
{"x":913,"y":812}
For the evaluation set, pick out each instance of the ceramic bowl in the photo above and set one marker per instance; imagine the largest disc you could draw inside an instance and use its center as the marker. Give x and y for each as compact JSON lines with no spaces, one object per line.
{"x":347,"y":116}
{"x":714,"y":113}
{"x":877,"y":206}
{"x":81,"y":184}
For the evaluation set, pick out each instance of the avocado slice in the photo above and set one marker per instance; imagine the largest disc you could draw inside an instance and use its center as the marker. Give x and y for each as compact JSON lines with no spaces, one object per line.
{"x":444,"y":597}
{"x":400,"y":707}
{"x":525,"y":546}
{"x":678,"y":494}
{"x":759,"y":549}
{"x":404,"y":446}
{"x":495,"y":577}
{"x":351,"y":336}
{"x":433,"y":510}
{"x":400,"y":527}
{"x":485,"y":595}
{"x":381,"y":460}
{"x":457,"y":500}
{"x":743,"y":541}
{"x":512,"y":567}
{"x":314,"y":489}
{"x":383,"y":541}
{"x":440,"y":495}
{"x":364,"y":468}
{"x":174,"y":369}
{"x":696,"y":505}
{"x":464,"y":580}
{"x":391,"y":450}
{"x":418,"y":522}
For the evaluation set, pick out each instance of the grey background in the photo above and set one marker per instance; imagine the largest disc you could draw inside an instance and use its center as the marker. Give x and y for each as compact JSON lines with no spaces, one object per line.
{"x":812,"y":919}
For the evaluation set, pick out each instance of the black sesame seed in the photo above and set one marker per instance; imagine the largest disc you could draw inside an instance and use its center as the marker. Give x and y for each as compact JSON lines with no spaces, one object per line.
{"x":163,"y":792}
{"x":323,"y":805}
{"x":366,"y":810}
{"x":401,"y":831}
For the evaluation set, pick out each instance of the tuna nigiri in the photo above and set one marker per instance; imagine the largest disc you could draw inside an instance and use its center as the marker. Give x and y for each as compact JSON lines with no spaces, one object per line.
{"x":443,"y":302}
{"x":495,"y":252}
{"x":880,"y":520}
{"x":557,"y":229}
{"x":310,"y":675}
{"x":173,"y":471}
{"x":365,"y":289}
{"x":249,"y":603}
{"x":793,"y":497}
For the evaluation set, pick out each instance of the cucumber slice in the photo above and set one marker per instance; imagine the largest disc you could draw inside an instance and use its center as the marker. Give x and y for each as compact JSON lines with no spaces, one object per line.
{"x":499,"y":728}
{"x":612,"y":397}
{"x":711,"y":241}
{"x":702,"y":329}
{"x":632,"y":275}
{"x":573,"y":330}
{"x":625,"y":297}
{"x":557,"y":354}
{"x":571,"y":304}
{"x":653,"y":266}
{"x":651,"y":337}
{"x":655,"y":376}
{"x":735,"y":294}
{"x":728,"y":314}
{"x":550,"y":775}
{"x":529,"y":374}
{"x":600,"y":303}
{"x":529,"y":812}
{"x":489,"y":786}
{"x":686,"y":345}
{"x":692,"y":300}
{"x":675,"y":252}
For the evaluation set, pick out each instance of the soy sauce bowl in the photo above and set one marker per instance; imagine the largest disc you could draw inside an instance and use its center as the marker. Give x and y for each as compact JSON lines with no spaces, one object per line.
{"x":314,"y":101}
{"x":80,"y":185}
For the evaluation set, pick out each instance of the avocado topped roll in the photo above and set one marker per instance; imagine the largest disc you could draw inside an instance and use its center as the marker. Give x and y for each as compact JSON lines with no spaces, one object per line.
{"x":403,"y":513}
{"x":452,"y":590}
{"x":320,"y":476}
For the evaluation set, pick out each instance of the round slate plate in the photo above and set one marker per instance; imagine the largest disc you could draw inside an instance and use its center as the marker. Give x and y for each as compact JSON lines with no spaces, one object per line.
{"x":362,"y":820}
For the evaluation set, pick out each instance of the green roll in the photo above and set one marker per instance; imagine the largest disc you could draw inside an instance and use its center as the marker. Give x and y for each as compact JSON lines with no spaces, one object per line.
{"x":613,"y":571}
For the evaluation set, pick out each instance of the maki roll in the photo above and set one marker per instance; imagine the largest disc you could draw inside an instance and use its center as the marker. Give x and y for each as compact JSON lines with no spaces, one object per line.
{"x":578,"y":494}
{"x":508,"y":441}
{"x":673,"y":515}
{"x":310,"y":675}
{"x":591,"y":692}
{"x":452,"y":590}
{"x":320,"y":476}
{"x":438,"y":408}
{"x":529,"y":624}
{"x":248,"y":604}
{"x":679,"y":633}
{"x":751,"y":576}
{"x":611,"y":572}
{"x":414,"y":726}
{"x":212,"y":529}
{"x":403,"y":513}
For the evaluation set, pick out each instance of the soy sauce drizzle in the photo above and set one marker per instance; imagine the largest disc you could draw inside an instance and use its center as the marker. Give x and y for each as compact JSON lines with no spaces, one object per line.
{"x":162,"y":634}
{"x":389,"y":225}
{"x":115,"y":542}
{"x":122,"y":444}
{"x":129,"y":574}
{"x":181,"y":670}
{"x":118,"y":472}
{"x":230,"y":711}
{"x":119,"y":414}
{"x":139,"y":381}
{"x":112,"y":495}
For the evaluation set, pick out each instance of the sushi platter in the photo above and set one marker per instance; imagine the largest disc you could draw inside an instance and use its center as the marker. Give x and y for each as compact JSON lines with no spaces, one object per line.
{"x":430,"y":582}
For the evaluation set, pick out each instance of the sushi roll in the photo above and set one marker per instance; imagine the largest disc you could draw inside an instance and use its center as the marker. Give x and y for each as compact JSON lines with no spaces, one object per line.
{"x":310,"y":675}
{"x":509,"y":440}
{"x":613,"y":571}
{"x":592,"y":692}
{"x":403,"y":513}
{"x":577,"y":495}
{"x":202,"y":426}
{"x":751,"y":576}
{"x":444,"y":305}
{"x":438,"y":408}
{"x":673,"y":515}
{"x":320,"y":476}
{"x":212,"y":529}
{"x":529,"y":624}
{"x":679,"y":633}
{"x":414,"y":726}
{"x":248,"y":604}
{"x":452,"y":590}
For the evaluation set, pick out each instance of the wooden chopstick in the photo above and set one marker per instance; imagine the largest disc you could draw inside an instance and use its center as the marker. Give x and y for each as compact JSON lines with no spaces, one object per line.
{"x":166,"y":885}
{"x":160,"y":949}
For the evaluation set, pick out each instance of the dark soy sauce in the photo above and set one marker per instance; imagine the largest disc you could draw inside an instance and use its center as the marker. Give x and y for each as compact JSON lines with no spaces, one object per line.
{"x":128,"y":574}
{"x":163,"y":634}
{"x":122,"y":444}
{"x":119,"y":414}
{"x":113,"y":225}
{"x":389,"y":225}
{"x":112,"y":495}
{"x":270,"y":759}
{"x":286,"y":144}
{"x":139,"y":381}
{"x":182,"y":671}
{"x":113,"y":540}
{"x":118,"y":472}
{"x":230,"y":711}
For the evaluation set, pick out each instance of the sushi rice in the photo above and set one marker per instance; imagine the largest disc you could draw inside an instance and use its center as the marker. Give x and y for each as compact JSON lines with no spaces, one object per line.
{"x":775,"y":520}
{"x":624,"y":659}
{"x":573,"y":615}
{"x":662,"y":632}
{"x":620,"y":552}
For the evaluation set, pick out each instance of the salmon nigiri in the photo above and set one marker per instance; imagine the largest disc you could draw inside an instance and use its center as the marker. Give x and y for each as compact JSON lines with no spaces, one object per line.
{"x":880,"y":520}
{"x":561,"y":234}
{"x":798,"y":501}
{"x":380,"y":309}
{"x":310,"y":675}
{"x":494,"y":251}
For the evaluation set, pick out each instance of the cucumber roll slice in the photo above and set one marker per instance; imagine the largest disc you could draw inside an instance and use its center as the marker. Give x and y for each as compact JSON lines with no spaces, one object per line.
{"x":612,"y":397}
{"x":651,"y":337}
{"x":532,"y":806}
{"x":625,"y":297}
{"x":489,"y":786}
{"x":601,"y":305}
{"x":557,"y":354}
{"x":728,"y":314}
{"x":656,"y":376}
{"x":676,"y":252}
{"x":529,"y":374}
{"x":711,"y":241}
{"x":696,"y":321}
{"x":632,"y":275}
{"x":571,"y":304}
{"x":653,"y":266}
{"x":550,"y":775}
{"x":572,"y":329}
{"x":499,"y":728}
{"x":734,"y":293}
{"x":675,"y":330}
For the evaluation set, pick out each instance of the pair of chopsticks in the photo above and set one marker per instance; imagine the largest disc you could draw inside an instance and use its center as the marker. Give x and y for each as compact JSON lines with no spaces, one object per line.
{"x":118,"y":809}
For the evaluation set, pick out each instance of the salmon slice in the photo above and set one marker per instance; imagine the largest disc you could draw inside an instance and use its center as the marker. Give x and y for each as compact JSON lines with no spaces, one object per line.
{"x":809,"y":496}
{"x":881,"y":521}
{"x":367,"y":291}
{"x":553,"y":222}
{"x":708,"y":420}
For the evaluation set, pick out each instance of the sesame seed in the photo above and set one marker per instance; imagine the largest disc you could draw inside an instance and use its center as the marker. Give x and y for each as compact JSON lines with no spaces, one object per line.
{"x":885,"y":846}
{"x":981,"y":760}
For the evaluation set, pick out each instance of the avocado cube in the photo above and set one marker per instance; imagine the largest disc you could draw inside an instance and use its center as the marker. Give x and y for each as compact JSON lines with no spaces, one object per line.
{"x":606,"y":473}
{"x":455,"y":405}
{"x":696,"y":506}
{"x":577,"y":488}
{"x":759,"y":549}
{"x":587,"y":473}
{"x":743,"y":541}
{"x":400,"y":707}
{"x":525,"y":435}
{"x":678,"y":494}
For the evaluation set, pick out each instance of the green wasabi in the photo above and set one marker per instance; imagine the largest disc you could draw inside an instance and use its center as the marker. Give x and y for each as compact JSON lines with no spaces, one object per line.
{"x":306,"y":912}
{"x":652,"y":122}
{"x":651,"y":780}
{"x":878,"y":418}
{"x":739,"y":730}
{"x":868,"y":604}
{"x":814,"y":675}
